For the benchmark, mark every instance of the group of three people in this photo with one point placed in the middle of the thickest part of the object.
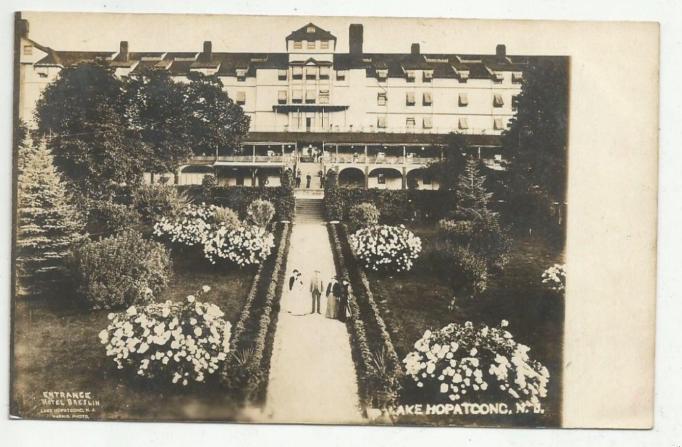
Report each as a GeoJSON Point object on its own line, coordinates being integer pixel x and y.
{"type": "Point", "coordinates": [336, 292]}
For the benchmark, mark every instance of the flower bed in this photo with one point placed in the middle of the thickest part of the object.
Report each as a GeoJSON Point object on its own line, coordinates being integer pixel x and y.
{"type": "Point", "coordinates": [386, 248]}
{"type": "Point", "coordinates": [199, 226]}
{"type": "Point", "coordinates": [377, 363]}
{"type": "Point", "coordinates": [555, 277]}
{"type": "Point", "coordinates": [177, 343]}
{"type": "Point", "coordinates": [477, 363]}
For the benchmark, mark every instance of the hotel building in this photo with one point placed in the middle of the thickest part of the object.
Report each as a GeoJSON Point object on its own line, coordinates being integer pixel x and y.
{"type": "Point", "coordinates": [376, 118]}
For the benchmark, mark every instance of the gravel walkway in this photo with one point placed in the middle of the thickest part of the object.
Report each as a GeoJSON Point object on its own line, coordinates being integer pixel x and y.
{"type": "Point", "coordinates": [312, 376]}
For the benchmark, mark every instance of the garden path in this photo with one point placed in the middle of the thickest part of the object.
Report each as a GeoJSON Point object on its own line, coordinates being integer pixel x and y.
{"type": "Point", "coordinates": [312, 375]}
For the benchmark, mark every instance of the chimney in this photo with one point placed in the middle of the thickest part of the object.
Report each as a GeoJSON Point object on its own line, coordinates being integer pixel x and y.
{"type": "Point", "coordinates": [123, 50]}
{"type": "Point", "coordinates": [355, 39]}
{"type": "Point", "coordinates": [22, 27]}
{"type": "Point", "coordinates": [208, 50]}
{"type": "Point", "coordinates": [414, 49]}
{"type": "Point", "coordinates": [501, 51]}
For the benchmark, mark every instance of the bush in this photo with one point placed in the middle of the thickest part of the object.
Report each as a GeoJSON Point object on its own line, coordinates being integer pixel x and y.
{"type": "Point", "coordinates": [554, 278]}
{"type": "Point", "coordinates": [106, 218]}
{"type": "Point", "coordinates": [260, 212]}
{"type": "Point", "coordinates": [227, 217]}
{"type": "Point", "coordinates": [482, 235]}
{"type": "Point", "coordinates": [386, 248]}
{"type": "Point", "coordinates": [170, 342]}
{"type": "Point", "coordinates": [242, 245]}
{"type": "Point", "coordinates": [476, 364]}
{"type": "Point", "coordinates": [467, 271]}
{"type": "Point", "coordinates": [120, 271]}
{"type": "Point", "coordinates": [208, 184]}
{"type": "Point", "coordinates": [190, 228]}
{"type": "Point", "coordinates": [156, 201]}
{"type": "Point", "coordinates": [362, 216]}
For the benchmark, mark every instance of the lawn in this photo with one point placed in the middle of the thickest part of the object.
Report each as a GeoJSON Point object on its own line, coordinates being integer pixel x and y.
{"type": "Point", "coordinates": [56, 349]}
{"type": "Point", "coordinates": [418, 300]}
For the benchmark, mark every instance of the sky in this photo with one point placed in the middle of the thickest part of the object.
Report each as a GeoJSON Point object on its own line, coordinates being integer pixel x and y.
{"type": "Point", "coordinates": [154, 32]}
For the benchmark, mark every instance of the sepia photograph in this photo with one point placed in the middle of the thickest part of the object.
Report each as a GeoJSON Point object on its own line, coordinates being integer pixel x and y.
{"type": "Point", "coordinates": [341, 220]}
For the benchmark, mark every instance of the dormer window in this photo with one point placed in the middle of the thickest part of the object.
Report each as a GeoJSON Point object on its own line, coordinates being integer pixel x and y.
{"type": "Point", "coordinates": [410, 76]}
{"type": "Point", "coordinates": [517, 78]}
{"type": "Point", "coordinates": [498, 77]}
{"type": "Point", "coordinates": [382, 74]}
{"type": "Point", "coordinates": [241, 74]}
{"type": "Point", "coordinates": [428, 75]}
{"type": "Point", "coordinates": [310, 29]}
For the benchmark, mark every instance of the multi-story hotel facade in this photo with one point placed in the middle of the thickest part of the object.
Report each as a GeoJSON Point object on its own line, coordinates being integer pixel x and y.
{"type": "Point", "coordinates": [378, 119]}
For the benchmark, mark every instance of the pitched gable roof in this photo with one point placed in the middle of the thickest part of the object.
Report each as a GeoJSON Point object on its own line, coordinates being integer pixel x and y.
{"type": "Point", "coordinates": [316, 33]}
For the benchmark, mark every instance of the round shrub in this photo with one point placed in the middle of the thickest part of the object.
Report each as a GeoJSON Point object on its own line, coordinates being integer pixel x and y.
{"type": "Point", "coordinates": [156, 201]}
{"type": "Point", "coordinates": [242, 245]}
{"type": "Point", "coordinates": [179, 343]}
{"type": "Point", "coordinates": [190, 228]}
{"type": "Point", "coordinates": [120, 271]}
{"type": "Point", "coordinates": [386, 248]}
{"type": "Point", "coordinates": [106, 218]}
{"type": "Point", "coordinates": [467, 271]}
{"type": "Point", "coordinates": [227, 217]}
{"type": "Point", "coordinates": [260, 212]}
{"type": "Point", "coordinates": [362, 215]}
{"type": "Point", "coordinates": [475, 363]}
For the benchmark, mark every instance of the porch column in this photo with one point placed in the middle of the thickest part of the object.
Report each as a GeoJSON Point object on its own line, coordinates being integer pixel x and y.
{"type": "Point", "coordinates": [404, 178]}
{"type": "Point", "coordinates": [366, 176]}
{"type": "Point", "coordinates": [404, 155]}
{"type": "Point", "coordinates": [366, 159]}
{"type": "Point", "coordinates": [253, 153]}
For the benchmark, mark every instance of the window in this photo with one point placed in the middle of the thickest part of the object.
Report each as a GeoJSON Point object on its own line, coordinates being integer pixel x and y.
{"type": "Point", "coordinates": [381, 98]}
{"type": "Point", "coordinates": [498, 124]}
{"type": "Point", "coordinates": [426, 99]}
{"type": "Point", "coordinates": [381, 122]}
{"type": "Point", "coordinates": [410, 76]}
{"type": "Point", "coordinates": [310, 96]}
{"type": "Point", "coordinates": [297, 96]}
{"type": "Point", "coordinates": [241, 98]}
{"type": "Point", "coordinates": [381, 179]}
{"type": "Point", "coordinates": [241, 74]}
{"type": "Point", "coordinates": [517, 78]}
{"type": "Point", "coordinates": [297, 72]}
{"type": "Point", "coordinates": [427, 76]}
{"type": "Point", "coordinates": [515, 103]}
{"type": "Point", "coordinates": [310, 29]}
{"type": "Point", "coordinates": [409, 98]}
{"type": "Point", "coordinates": [498, 77]}
{"type": "Point", "coordinates": [463, 123]}
{"type": "Point", "coordinates": [324, 96]}
{"type": "Point", "coordinates": [324, 72]}
{"type": "Point", "coordinates": [28, 50]}
{"type": "Point", "coordinates": [282, 96]}
{"type": "Point", "coordinates": [311, 72]}
{"type": "Point", "coordinates": [341, 75]}
{"type": "Point", "coordinates": [497, 100]}
{"type": "Point", "coordinates": [382, 74]}
{"type": "Point", "coordinates": [324, 44]}
{"type": "Point", "coordinates": [409, 123]}
{"type": "Point", "coordinates": [463, 100]}
{"type": "Point", "coordinates": [282, 74]}
{"type": "Point", "coordinates": [298, 44]}
{"type": "Point", "coordinates": [428, 122]}
{"type": "Point", "coordinates": [426, 179]}
{"type": "Point", "coordinates": [311, 44]}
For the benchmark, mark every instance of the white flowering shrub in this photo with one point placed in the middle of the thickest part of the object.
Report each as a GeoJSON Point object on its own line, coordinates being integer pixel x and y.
{"type": "Point", "coordinates": [190, 228]}
{"type": "Point", "coordinates": [555, 277]}
{"type": "Point", "coordinates": [205, 227]}
{"type": "Point", "coordinates": [179, 343]}
{"type": "Point", "coordinates": [386, 248]}
{"type": "Point", "coordinates": [477, 364]}
{"type": "Point", "coordinates": [242, 246]}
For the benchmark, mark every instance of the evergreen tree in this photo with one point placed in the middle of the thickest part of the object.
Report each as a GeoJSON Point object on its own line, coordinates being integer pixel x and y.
{"type": "Point", "coordinates": [447, 170]}
{"type": "Point", "coordinates": [48, 223]}
{"type": "Point", "coordinates": [472, 196]}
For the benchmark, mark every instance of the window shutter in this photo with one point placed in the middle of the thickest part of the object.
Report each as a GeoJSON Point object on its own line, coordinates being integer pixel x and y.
{"type": "Point", "coordinates": [310, 96]}
{"type": "Point", "coordinates": [297, 95]}
{"type": "Point", "coordinates": [310, 72]}
{"type": "Point", "coordinates": [297, 71]}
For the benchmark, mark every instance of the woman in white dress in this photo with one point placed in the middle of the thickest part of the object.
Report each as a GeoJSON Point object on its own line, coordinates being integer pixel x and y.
{"type": "Point", "coordinates": [296, 299]}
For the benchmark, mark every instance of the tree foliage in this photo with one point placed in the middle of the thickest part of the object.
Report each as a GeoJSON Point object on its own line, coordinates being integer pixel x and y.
{"type": "Point", "coordinates": [447, 170]}
{"type": "Point", "coordinates": [536, 141]}
{"type": "Point", "coordinates": [48, 224]}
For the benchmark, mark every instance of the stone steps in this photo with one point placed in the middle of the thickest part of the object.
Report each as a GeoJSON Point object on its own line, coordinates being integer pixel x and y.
{"type": "Point", "coordinates": [309, 210]}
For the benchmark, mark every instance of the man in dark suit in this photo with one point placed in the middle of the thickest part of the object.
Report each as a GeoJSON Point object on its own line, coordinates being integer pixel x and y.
{"type": "Point", "coordinates": [316, 288]}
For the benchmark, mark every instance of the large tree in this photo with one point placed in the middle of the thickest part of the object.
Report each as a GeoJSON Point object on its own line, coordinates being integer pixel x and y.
{"type": "Point", "coordinates": [214, 121]}
{"type": "Point", "coordinates": [157, 108]}
{"type": "Point", "coordinates": [536, 140]}
{"type": "Point", "coordinates": [83, 120]}
{"type": "Point", "coordinates": [446, 170]}
{"type": "Point", "coordinates": [48, 224]}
